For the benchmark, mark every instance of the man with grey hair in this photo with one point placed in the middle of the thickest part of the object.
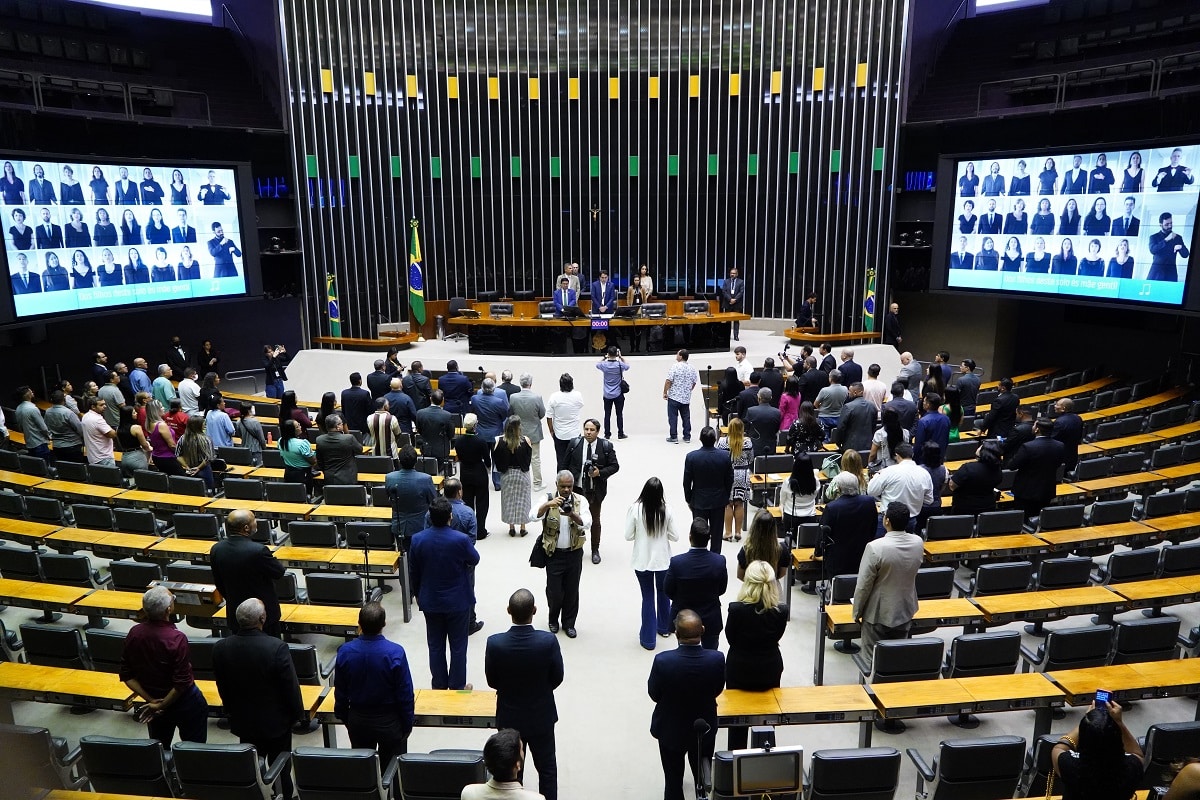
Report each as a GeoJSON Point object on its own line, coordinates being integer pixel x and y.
{"type": "Point", "coordinates": [377, 381]}
{"type": "Point", "coordinates": [851, 371]}
{"type": "Point", "coordinates": [243, 568]}
{"type": "Point", "coordinates": [157, 667]}
{"type": "Point", "coordinates": [909, 374]}
{"type": "Point", "coordinates": [762, 424]}
{"type": "Point", "coordinates": [400, 405]}
{"type": "Point", "coordinates": [565, 522]}
{"type": "Point", "coordinates": [336, 450]}
{"type": "Point", "coordinates": [162, 389]}
{"type": "Point", "coordinates": [258, 686]}
{"type": "Point", "coordinates": [491, 410]}
{"type": "Point", "coordinates": [528, 405]}
{"type": "Point", "coordinates": [508, 387]}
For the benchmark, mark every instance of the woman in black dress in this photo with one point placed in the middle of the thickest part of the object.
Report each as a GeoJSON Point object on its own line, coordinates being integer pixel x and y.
{"type": "Point", "coordinates": [189, 267]}
{"type": "Point", "coordinates": [974, 484]}
{"type": "Point", "coordinates": [162, 270]}
{"type": "Point", "coordinates": [967, 219]}
{"type": "Point", "coordinates": [82, 274]}
{"type": "Point", "coordinates": [109, 271]}
{"type": "Point", "coordinates": [1065, 262]}
{"type": "Point", "coordinates": [1047, 178]}
{"type": "Point", "coordinates": [12, 188]}
{"type": "Point", "coordinates": [1132, 176]}
{"type": "Point", "coordinates": [208, 359]}
{"type": "Point", "coordinates": [1068, 220]}
{"type": "Point", "coordinates": [1043, 221]}
{"type": "Point", "coordinates": [99, 187]}
{"type": "Point", "coordinates": [1011, 260]}
{"type": "Point", "coordinates": [131, 231]}
{"type": "Point", "coordinates": [76, 232]}
{"type": "Point", "coordinates": [54, 277]}
{"type": "Point", "coordinates": [179, 190]}
{"type": "Point", "coordinates": [1039, 260]}
{"type": "Point", "coordinates": [727, 393]}
{"type": "Point", "coordinates": [70, 191]}
{"type": "Point", "coordinates": [22, 234]}
{"type": "Point", "coordinates": [1017, 222]}
{"type": "Point", "coordinates": [753, 628]}
{"type": "Point", "coordinates": [328, 405]}
{"type": "Point", "coordinates": [1093, 264]}
{"type": "Point", "coordinates": [156, 231]}
{"type": "Point", "coordinates": [987, 259]}
{"type": "Point", "coordinates": [104, 233]}
{"type": "Point", "coordinates": [475, 462]}
{"type": "Point", "coordinates": [1101, 179]}
{"type": "Point", "coordinates": [1120, 266]}
{"type": "Point", "coordinates": [1098, 222]}
{"type": "Point", "coordinates": [1019, 185]}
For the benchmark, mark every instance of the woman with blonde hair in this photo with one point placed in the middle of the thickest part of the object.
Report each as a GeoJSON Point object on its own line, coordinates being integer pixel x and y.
{"type": "Point", "coordinates": [753, 628]}
{"type": "Point", "coordinates": [651, 526]}
{"type": "Point", "coordinates": [851, 462]}
{"type": "Point", "coordinates": [512, 457]}
{"type": "Point", "coordinates": [741, 453]}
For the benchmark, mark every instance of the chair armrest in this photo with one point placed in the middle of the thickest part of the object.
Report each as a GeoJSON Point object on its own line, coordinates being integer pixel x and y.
{"type": "Point", "coordinates": [327, 668]}
{"type": "Point", "coordinates": [389, 775]}
{"type": "Point", "coordinates": [375, 595]}
{"type": "Point", "coordinates": [1031, 525]}
{"type": "Point", "coordinates": [101, 580]}
{"type": "Point", "coordinates": [71, 757]}
{"type": "Point", "coordinates": [276, 768]}
{"type": "Point", "coordinates": [924, 771]}
{"type": "Point", "coordinates": [1029, 658]}
{"type": "Point", "coordinates": [1099, 576]}
{"type": "Point", "coordinates": [964, 589]}
{"type": "Point", "coordinates": [863, 670]}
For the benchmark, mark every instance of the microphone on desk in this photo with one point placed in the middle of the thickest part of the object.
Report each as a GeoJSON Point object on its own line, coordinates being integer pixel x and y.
{"type": "Point", "coordinates": [701, 727]}
{"type": "Point", "coordinates": [363, 537]}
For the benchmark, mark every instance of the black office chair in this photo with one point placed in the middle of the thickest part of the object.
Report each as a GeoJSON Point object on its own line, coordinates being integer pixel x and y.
{"type": "Point", "coordinates": [901, 660]}
{"type": "Point", "coordinates": [999, 523]}
{"type": "Point", "coordinates": [977, 654]}
{"type": "Point", "coordinates": [524, 294]}
{"type": "Point", "coordinates": [1004, 578]}
{"type": "Point", "coordinates": [971, 769]}
{"type": "Point", "coordinates": [1168, 743]}
{"type": "Point", "coordinates": [546, 307]}
{"type": "Point", "coordinates": [287, 589]}
{"type": "Point", "coordinates": [149, 480]}
{"type": "Point", "coordinates": [1109, 512]}
{"type": "Point", "coordinates": [307, 661]}
{"type": "Point", "coordinates": [1141, 640]}
{"type": "Point", "coordinates": [1179, 560]}
{"type": "Point", "coordinates": [34, 465]}
{"type": "Point", "coordinates": [47, 510]}
{"type": "Point", "coordinates": [55, 646]}
{"type": "Point", "coordinates": [107, 648]}
{"type": "Point", "coordinates": [75, 570]}
{"type": "Point", "coordinates": [11, 647]}
{"type": "Point", "coordinates": [72, 471]}
{"type": "Point", "coordinates": [127, 766]}
{"type": "Point", "coordinates": [1167, 456]}
{"type": "Point", "coordinates": [374, 465]}
{"type": "Point", "coordinates": [184, 484]}
{"type": "Point", "coordinates": [138, 520]}
{"type": "Point", "coordinates": [933, 583]}
{"type": "Point", "coordinates": [1056, 518]}
{"type": "Point", "coordinates": [345, 495]}
{"type": "Point", "coordinates": [9, 459]}
{"type": "Point", "coordinates": [226, 771]}
{"type": "Point", "coordinates": [1128, 463]}
{"type": "Point", "coordinates": [280, 492]}
{"type": "Point", "coordinates": [950, 526]}
{"type": "Point", "coordinates": [12, 505]}
{"type": "Point", "coordinates": [841, 591]}
{"type": "Point", "coordinates": [97, 518]}
{"type": "Point", "coordinates": [1070, 648]}
{"type": "Point", "coordinates": [1128, 565]}
{"type": "Point", "coordinates": [327, 773]}
{"type": "Point", "coordinates": [379, 496]}
{"type": "Point", "coordinates": [133, 576]}
{"type": "Point", "coordinates": [1091, 468]}
{"type": "Point", "coordinates": [237, 456]}
{"type": "Point", "coordinates": [106, 475]}
{"type": "Point", "coordinates": [861, 773]}
{"type": "Point", "coordinates": [243, 489]}
{"type": "Point", "coordinates": [197, 526]}
{"type": "Point", "coordinates": [335, 589]}
{"type": "Point", "coordinates": [457, 306]}
{"type": "Point", "coordinates": [1155, 505]}
{"type": "Point", "coordinates": [1037, 767]}
{"type": "Point", "coordinates": [200, 652]}
{"type": "Point", "coordinates": [35, 758]}
{"type": "Point", "coordinates": [440, 774]}
{"type": "Point", "coordinates": [313, 534]}
{"type": "Point", "coordinates": [190, 573]}
{"type": "Point", "coordinates": [496, 310]}
{"type": "Point", "coordinates": [20, 564]}
{"type": "Point", "coordinates": [1059, 573]}
{"type": "Point", "coordinates": [272, 458]}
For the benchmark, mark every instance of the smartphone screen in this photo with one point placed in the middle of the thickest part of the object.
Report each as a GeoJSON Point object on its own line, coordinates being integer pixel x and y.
{"type": "Point", "coordinates": [1102, 696]}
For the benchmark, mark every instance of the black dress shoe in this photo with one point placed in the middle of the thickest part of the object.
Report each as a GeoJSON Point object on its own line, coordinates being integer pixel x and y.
{"type": "Point", "coordinates": [595, 556]}
{"type": "Point", "coordinates": [554, 627]}
{"type": "Point", "coordinates": [476, 627]}
{"type": "Point", "coordinates": [571, 634]}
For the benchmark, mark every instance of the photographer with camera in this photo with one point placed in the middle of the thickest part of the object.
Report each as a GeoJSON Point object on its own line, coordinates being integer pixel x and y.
{"type": "Point", "coordinates": [565, 520]}
{"type": "Point", "coordinates": [592, 461]}
{"type": "Point", "coordinates": [275, 360]}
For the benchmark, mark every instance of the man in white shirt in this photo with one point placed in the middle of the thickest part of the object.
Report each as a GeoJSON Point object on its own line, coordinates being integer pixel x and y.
{"type": "Point", "coordinates": [677, 391]}
{"type": "Point", "coordinates": [98, 435]}
{"type": "Point", "coordinates": [564, 418]}
{"type": "Point", "coordinates": [875, 390]}
{"type": "Point", "coordinates": [189, 392]}
{"type": "Point", "coordinates": [905, 482]}
{"type": "Point", "coordinates": [742, 365]}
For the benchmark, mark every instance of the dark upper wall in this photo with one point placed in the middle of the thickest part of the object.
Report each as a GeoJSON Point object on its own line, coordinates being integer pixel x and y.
{"type": "Point", "coordinates": [795, 224]}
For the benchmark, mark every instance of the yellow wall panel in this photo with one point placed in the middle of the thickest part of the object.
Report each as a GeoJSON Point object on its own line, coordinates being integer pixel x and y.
{"type": "Point", "coordinates": [573, 88]}
{"type": "Point", "coordinates": [776, 82]}
{"type": "Point", "coordinates": [452, 87]}
{"type": "Point", "coordinates": [493, 88]}
{"type": "Point", "coordinates": [535, 89]}
{"type": "Point", "coordinates": [410, 85]}
{"type": "Point", "coordinates": [652, 88]}
{"type": "Point", "coordinates": [818, 79]}
{"type": "Point", "coordinates": [860, 75]}
{"type": "Point", "coordinates": [614, 88]}
{"type": "Point", "coordinates": [327, 81]}
{"type": "Point", "coordinates": [693, 86]}
{"type": "Point", "coordinates": [369, 83]}
{"type": "Point", "coordinates": [735, 84]}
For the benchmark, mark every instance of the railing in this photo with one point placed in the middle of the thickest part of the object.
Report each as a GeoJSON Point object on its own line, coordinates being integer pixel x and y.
{"type": "Point", "coordinates": [92, 97]}
{"type": "Point", "coordinates": [241, 376]}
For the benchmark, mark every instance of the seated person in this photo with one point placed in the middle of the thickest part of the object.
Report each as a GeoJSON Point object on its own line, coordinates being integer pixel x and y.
{"type": "Point", "coordinates": [504, 756]}
{"type": "Point", "coordinates": [564, 296]}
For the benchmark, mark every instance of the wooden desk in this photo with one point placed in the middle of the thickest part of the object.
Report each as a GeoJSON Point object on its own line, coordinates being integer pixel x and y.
{"type": "Point", "coordinates": [1174, 525]}
{"type": "Point", "coordinates": [110, 603]}
{"type": "Point", "coordinates": [1178, 431]}
{"type": "Point", "coordinates": [1075, 391]}
{"type": "Point", "coordinates": [332, 620]}
{"type": "Point", "coordinates": [1180, 472]}
{"type": "Point", "coordinates": [350, 513]}
{"type": "Point", "coordinates": [1127, 533]}
{"type": "Point", "coordinates": [173, 549]}
{"type": "Point", "coordinates": [313, 558]}
{"type": "Point", "coordinates": [932, 698]}
{"type": "Point", "coordinates": [1080, 685]}
{"type": "Point", "coordinates": [1136, 407]}
{"type": "Point", "coordinates": [120, 545]}
{"type": "Point", "coordinates": [450, 708]}
{"type": "Point", "coordinates": [1172, 678]}
{"type": "Point", "coordinates": [1155, 593]}
{"type": "Point", "coordinates": [738, 707]}
{"type": "Point", "coordinates": [380, 562]}
{"type": "Point", "coordinates": [1000, 609]}
{"type": "Point", "coordinates": [1021, 544]}
{"type": "Point", "coordinates": [25, 532]}
{"type": "Point", "coordinates": [163, 500]}
{"type": "Point", "coordinates": [47, 597]}
{"type": "Point", "coordinates": [1120, 444]}
{"type": "Point", "coordinates": [1138, 482]}
{"type": "Point", "coordinates": [19, 479]}
{"type": "Point", "coordinates": [74, 687]}
{"type": "Point", "coordinates": [71, 539]}
{"type": "Point", "coordinates": [269, 510]}
{"type": "Point", "coordinates": [310, 696]}
{"type": "Point", "coordinates": [78, 492]}
{"type": "Point", "coordinates": [1027, 377]}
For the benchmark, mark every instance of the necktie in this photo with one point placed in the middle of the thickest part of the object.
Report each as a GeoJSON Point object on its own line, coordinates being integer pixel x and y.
{"type": "Point", "coordinates": [1126, 223]}
{"type": "Point", "coordinates": [590, 453]}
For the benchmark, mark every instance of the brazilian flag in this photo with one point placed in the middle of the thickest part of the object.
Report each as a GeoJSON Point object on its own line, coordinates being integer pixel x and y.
{"type": "Point", "coordinates": [869, 303]}
{"type": "Point", "coordinates": [335, 313]}
{"type": "Point", "coordinates": [416, 279]}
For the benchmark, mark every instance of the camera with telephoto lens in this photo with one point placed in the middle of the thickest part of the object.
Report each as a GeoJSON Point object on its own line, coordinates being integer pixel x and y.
{"type": "Point", "coordinates": [568, 505]}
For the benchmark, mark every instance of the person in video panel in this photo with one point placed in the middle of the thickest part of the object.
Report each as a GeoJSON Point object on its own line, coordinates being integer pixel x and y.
{"type": "Point", "coordinates": [104, 233]}
{"type": "Point", "coordinates": [1174, 176]}
{"type": "Point", "coordinates": [109, 271]}
{"type": "Point", "coordinates": [24, 281]}
{"type": "Point", "coordinates": [213, 193]}
{"type": "Point", "coordinates": [82, 274]}
{"type": "Point", "coordinates": [12, 188]}
{"type": "Point", "coordinates": [99, 187]}
{"type": "Point", "coordinates": [993, 182]}
{"type": "Point", "coordinates": [136, 270]}
{"type": "Point", "coordinates": [22, 234]}
{"type": "Point", "coordinates": [961, 258]}
{"type": "Point", "coordinates": [1012, 259]}
{"type": "Point", "coordinates": [150, 190]}
{"type": "Point", "coordinates": [1097, 223]}
{"type": "Point", "coordinates": [40, 189]}
{"type": "Point", "coordinates": [1120, 265]}
{"type": "Point", "coordinates": [70, 191]}
{"type": "Point", "coordinates": [1047, 178]}
{"type": "Point", "coordinates": [162, 270]}
{"type": "Point", "coordinates": [76, 231]}
{"type": "Point", "coordinates": [157, 231]}
{"type": "Point", "coordinates": [54, 277]}
{"type": "Point", "coordinates": [126, 190]}
{"type": "Point", "coordinates": [1101, 179]}
{"type": "Point", "coordinates": [188, 268]}
{"type": "Point", "coordinates": [1068, 221]}
{"type": "Point", "coordinates": [1064, 262]}
{"type": "Point", "coordinates": [1019, 185]}
{"type": "Point", "coordinates": [1133, 176]}
{"type": "Point", "coordinates": [968, 184]}
{"type": "Point", "coordinates": [1038, 261]}
{"type": "Point", "coordinates": [1017, 221]}
{"type": "Point", "coordinates": [1043, 220]}
{"type": "Point", "coordinates": [179, 189]}
{"type": "Point", "coordinates": [1127, 224]}
{"type": "Point", "coordinates": [1092, 265]}
{"type": "Point", "coordinates": [223, 251]}
{"type": "Point", "coordinates": [1165, 247]}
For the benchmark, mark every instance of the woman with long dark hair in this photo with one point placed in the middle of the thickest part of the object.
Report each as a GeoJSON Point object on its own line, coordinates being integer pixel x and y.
{"type": "Point", "coordinates": [209, 395]}
{"type": "Point", "coordinates": [762, 544]}
{"type": "Point", "coordinates": [1100, 759]}
{"type": "Point", "coordinates": [512, 457]}
{"type": "Point", "coordinates": [650, 525]}
{"type": "Point", "coordinates": [328, 405]}
{"type": "Point", "coordinates": [974, 484]}
{"type": "Point", "coordinates": [289, 410]}
{"type": "Point", "coordinates": [753, 628]}
{"type": "Point", "coordinates": [885, 441]}
{"type": "Point", "coordinates": [806, 434]}
{"type": "Point", "coordinates": [297, 453]}
{"type": "Point", "coordinates": [798, 495]}
{"type": "Point", "coordinates": [727, 393]}
{"type": "Point", "coordinates": [931, 462]}
{"type": "Point", "coordinates": [935, 381]}
{"type": "Point", "coordinates": [952, 408]}
{"type": "Point", "coordinates": [789, 403]}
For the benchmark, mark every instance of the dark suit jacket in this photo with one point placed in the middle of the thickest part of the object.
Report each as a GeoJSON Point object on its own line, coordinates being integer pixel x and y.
{"type": "Point", "coordinates": [964, 261]}
{"type": "Point", "coordinates": [762, 426]}
{"type": "Point", "coordinates": [457, 388]}
{"type": "Point", "coordinates": [243, 568]}
{"type": "Point", "coordinates": [696, 580]}
{"type": "Point", "coordinates": [746, 400]}
{"type": "Point", "coordinates": [811, 384]}
{"type": "Point", "coordinates": [1119, 228]}
{"type": "Point", "coordinates": [707, 478]}
{"type": "Point", "coordinates": [419, 389]}
{"type": "Point", "coordinates": [1068, 429]}
{"type": "Point", "coordinates": [435, 427]}
{"type": "Point", "coordinates": [1003, 415]}
{"type": "Point", "coordinates": [378, 383]}
{"type": "Point", "coordinates": [733, 293]}
{"type": "Point", "coordinates": [993, 225]}
{"type": "Point", "coordinates": [856, 425]}
{"type": "Point", "coordinates": [127, 195]}
{"type": "Point", "coordinates": [335, 456]}
{"type": "Point", "coordinates": [440, 560]}
{"type": "Point", "coordinates": [754, 663]}
{"type": "Point", "coordinates": [907, 410]}
{"type": "Point", "coordinates": [828, 364]}
{"type": "Point", "coordinates": [356, 407]}
{"type": "Point", "coordinates": [1022, 432]}
{"type": "Point", "coordinates": [35, 285]}
{"type": "Point", "coordinates": [604, 456]}
{"type": "Point", "coordinates": [684, 684]}
{"type": "Point", "coordinates": [49, 241]}
{"type": "Point", "coordinates": [258, 685]}
{"type": "Point", "coordinates": [183, 235]}
{"type": "Point", "coordinates": [852, 521]}
{"type": "Point", "coordinates": [1036, 464]}
{"type": "Point", "coordinates": [851, 372]}
{"type": "Point", "coordinates": [772, 379]}
{"type": "Point", "coordinates": [1074, 183]}
{"type": "Point", "coordinates": [1162, 266]}
{"type": "Point", "coordinates": [607, 298]}
{"type": "Point", "coordinates": [804, 316]}
{"type": "Point", "coordinates": [177, 363]}
{"type": "Point", "coordinates": [524, 666]}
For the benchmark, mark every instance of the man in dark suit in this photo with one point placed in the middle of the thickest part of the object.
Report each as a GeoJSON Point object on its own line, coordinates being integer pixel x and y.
{"type": "Point", "coordinates": [411, 493]}
{"type": "Point", "coordinates": [707, 482]}
{"type": "Point", "coordinates": [213, 193]}
{"type": "Point", "coordinates": [440, 561]}
{"type": "Point", "coordinates": [378, 381]}
{"type": "Point", "coordinates": [336, 451]}
{"type": "Point", "coordinates": [24, 281]}
{"type": "Point", "coordinates": [356, 404]}
{"type": "Point", "coordinates": [49, 236]}
{"type": "Point", "coordinates": [990, 222]}
{"type": "Point", "coordinates": [177, 357]}
{"type": "Point", "coordinates": [525, 666]}
{"type": "Point", "coordinates": [419, 388]}
{"type": "Point", "coordinates": [126, 191]}
{"type": "Point", "coordinates": [748, 397]}
{"type": "Point", "coordinates": [961, 258]}
{"type": "Point", "coordinates": [183, 233]}
{"type": "Point", "coordinates": [593, 485]}
{"type": "Point", "coordinates": [604, 295]}
{"type": "Point", "coordinates": [696, 580]}
{"type": "Point", "coordinates": [40, 189]}
{"type": "Point", "coordinates": [243, 568]}
{"type": "Point", "coordinates": [684, 685]}
{"type": "Point", "coordinates": [1174, 176]}
{"type": "Point", "coordinates": [856, 421]}
{"type": "Point", "coordinates": [435, 428]}
{"type": "Point", "coordinates": [806, 315]}
{"type": "Point", "coordinates": [771, 378]}
{"type": "Point", "coordinates": [891, 326]}
{"type": "Point", "coordinates": [1068, 429]}
{"type": "Point", "coordinates": [825, 360]}
{"type": "Point", "coordinates": [259, 689]}
{"type": "Point", "coordinates": [851, 370]}
{"type": "Point", "coordinates": [223, 251]}
{"type": "Point", "coordinates": [905, 408]}
{"type": "Point", "coordinates": [1003, 413]}
{"type": "Point", "coordinates": [1037, 465]}
{"type": "Point", "coordinates": [456, 388]}
{"type": "Point", "coordinates": [1127, 224]}
{"type": "Point", "coordinates": [564, 297]}
{"type": "Point", "coordinates": [1164, 246]}
{"type": "Point", "coordinates": [1022, 432]}
{"type": "Point", "coordinates": [762, 424]}
{"type": "Point", "coordinates": [812, 381]}
{"type": "Point", "coordinates": [1075, 179]}
{"type": "Point", "coordinates": [733, 295]}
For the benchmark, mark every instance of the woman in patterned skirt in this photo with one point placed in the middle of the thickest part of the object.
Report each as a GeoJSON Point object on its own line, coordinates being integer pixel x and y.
{"type": "Point", "coordinates": [741, 453]}
{"type": "Point", "coordinates": [512, 458]}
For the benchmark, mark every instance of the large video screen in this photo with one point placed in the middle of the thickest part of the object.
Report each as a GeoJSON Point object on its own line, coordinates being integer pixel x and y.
{"type": "Point", "coordinates": [85, 236]}
{"type": "Point", "coordinates": [1104, 225]}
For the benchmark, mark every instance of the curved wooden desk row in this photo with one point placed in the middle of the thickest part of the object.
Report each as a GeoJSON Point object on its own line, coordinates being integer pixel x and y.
{"type": "Point", "coordinates": [383, 342]}
{"type": "Point", "coordinates": [1076, 391]}
{"type": "Point", "coordinates": [1027, 377]}
{"type": "Point", "coordinates": [810, 336]}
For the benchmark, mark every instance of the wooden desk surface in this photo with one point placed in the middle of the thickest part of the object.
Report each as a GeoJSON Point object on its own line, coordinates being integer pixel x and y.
{"type": "Point", "coordinates": [1136, 406]}
{"type": "Point", "coordinates": [84, 538]}
{"type": "Point", "coordinates": [57, 682]}
{"type": "Point", "coordinates": [351, 512]}
{"type": "Point", "coordinates": [1074, 391]}
{"type": "Point", "coordinates": [1081, 684]}
{"type": "Point", "coordinates": [1178, 431]}
{"type": "Point", "coordinates": [296, 510]}
{"type": "Point", "coordinates": [1019, 689]}
{"type": "Point", "coordinates": [1181, 673]}
{"type": "Point", "coordinates": [957, 610]}
{"type": "Point", "coordinates": [1163, 589]}
{"type": "Point", "coordinates": [305, 557]}
{"type": "Point", "coordinates": [377, 561]}
{"type": "Point", "coordinates": [1190, 470]}
{"type": "Point", "coordinates": [183, 549]}
{"type": "Point", "coordinates": [922, 698]}
{"type": "Point", "coordinates": [1126, 442]}
{"type": "Point", "coordinates": [163, 499]}
{"type": "Point", "coordinates": [997, 605]}
{"type": "Point", "coordinates": [1084, 597]}
{"type": "Point", "coordinates": [1100, 534]}
{"type": "Point", "coordinates": [455, 703]}
{"type": "Point", "coordinates": [339, 616]}
{"type": "Point", "coordinates": [232, 504]}
{"type": "Point", "coordinates": [1175, 522]}
{"type": "Point", "coordinates": [311, 696]}
{"type": "Point", "coordinates": [738, 703]}
{"type": "Point", "coordinates": [10, 478]}
{"type": "Point", "coordinates": [1027, 377]}
{"type": "Point", "coordinates": [1129, 482]}
{"type": "Point", "coordinates": [802, 556]}
{"type": "Point", "coordinates": [110, 603]}
{"type": "Point", "coordinates": [128, 542]}
{"type": "Point", "coordinates": [32, 591]}
{"type": "Point", "coordinates": [1189, 582]}
{"type": "Point", "coordinates": [848, 698]}
{"type": "Point", "coordinates": [958, 549]}
{"type": "Point", "coordinates": [67, 794]}
{"type": "Point", "coordinates": [76, 489]}
{"type": "Point", "coordinates": [24, 531]}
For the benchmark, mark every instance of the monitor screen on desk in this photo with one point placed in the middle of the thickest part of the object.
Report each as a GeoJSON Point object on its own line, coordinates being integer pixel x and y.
{"type": "Point", "coordinates": [572, 312]}
{"type": "Point", "coordinates": [758, 772]}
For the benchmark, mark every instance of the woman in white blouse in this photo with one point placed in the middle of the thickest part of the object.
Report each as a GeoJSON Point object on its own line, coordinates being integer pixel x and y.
{"type": "Point", "coordinates": [651, 526]}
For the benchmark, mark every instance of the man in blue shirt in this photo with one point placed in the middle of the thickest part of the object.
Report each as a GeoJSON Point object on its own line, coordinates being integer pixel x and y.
{"type": "Point", "coordinates": [374, 691]}
{"type": "Point", "coordinates": [932, 427]}
{"type": "Point", "coordinates": [219, 426]}
{"type": "Point", "coordinates": [139, 378]}
{"type": "Point", "coordinates": [456, 387]}
{"type": "Point", "coordinates": [441, 560]}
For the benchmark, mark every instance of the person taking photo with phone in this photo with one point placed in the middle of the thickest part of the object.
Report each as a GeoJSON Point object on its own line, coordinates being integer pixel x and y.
{"type": "Point", "coordinates": [1100, 759]}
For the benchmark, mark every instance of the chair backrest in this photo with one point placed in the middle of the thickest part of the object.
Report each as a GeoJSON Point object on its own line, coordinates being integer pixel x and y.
{"type": "Point", "coordinates": [98, 518]}
{"type": "Point", "coordinates": [149, 480]}
{"type": "Point", "coordinates": [311, 435]}
{"type": "Point", "coordinates": [106, 647]}
{"type": "Point", "coordinates": [34, 465]}
{"type": "Point", "coordinates": [327, 773]}
{"type": "Point", "coordinates": [184, 484]}
{"type": "Point", "coordinates": [312, 534]}
{"type": "Point", "coordinates": [1064, 573]}
{"type": "Point", "coordinates": [200, 651]}
{"type": "Point", "coordinates": [243, 488]}
{"type": "Point", "coordinates": [332, 589]}
{"type": "Point", "coordinates": [1092, 468]}
{"type": "Point", "coordinates": [20, 563]}
{"type": "Point", "coordinates": [69, 570]}
{"type": "Point", "coordinates": [1146, 639]}
{"type": "Point", "coordinates": [220, 771]}
{"type": "Point", "coordinates": [907, 660]}
{"type": "Point", "coordinates": [773, 463]}
{"type": "Point", "coordinates": [807, 534]}
{"type": "Point", "coordinates": [279, 492]}
{"type": "Point", "coordinates": [135, 520]}
{"type": "Point", "coordinates": [106, 475]}
{"type": "Point", "coordinates": [961, 450]}
{"type": "Point", "coordinates": [346, 495]}
{"type": "Point", "coordinates": [841, 589]}
{"type": "Point", "coordinates": [546, 307]}
{"type": "Point", "coordinates": [1053, 518]}
{"type": "Point", "coordinates": [1191, 451]}
{"type": "Point", "coordinates": [1122, 395]}
{"type": "Point", "coordinates": [239, 456]}
{"type": "Point", "coordinates": [1167, 456]}
{"type": "Point", "coordinates": [1077, 648]}
{"type": "Point", "coordinates": [197, 526]}
{"type": "Point", "coordinates": [1166, 744]}
{"type": "Point", "coordinates": [379, 496]}
{"type": "Point", "coordinates": [272, 458]}
{"type": "Point", "coordinates": [306, 662]}
{"type": "Point", "coordinates": [978, 767]}
{"type": "Point", "coordinates": [126, 766]}
{"type": "Point", "coordinates": [54, 646]}
{"type": "Point", "coordinates": [287, 590]}
{"type": "Point", "coordinates": [379, 535]}
{"type": "Point", "coordinates": [374, 465]}
{"type": "Point", "coordinates": [1108, 512]}
{"type": "Point", "coordinates": [1109, 430]}
{"type": "Point", "coordinates": [440, 775]}
{"type": "Point", "coordinates": [991, 653]}
{"type": "Point", "coordinates": [72, 471]}
{"type": "Point", "coordinates": [863, 773]}
{"type": "Point", "coordinates": [9, 459]}
{"type": "Point", "coordinates": [1102, 400]}
{"type": "Point", "coordinates": [190, 573]}
{"type": "Point", "coordinates": [996, 523]}
{"type": "Point", "coordinates": [1157, 505]}
{"type": "Point", "coordinates": [935, 583]}
{"type": "Point", "coordinates": [133, 576]}
{"type": "Point", "coordinates": [1006, 578]}
{"type": "Point", "coordinates": [1037, 767]}
{"type": "Point", "coordinates": [1126, 463]}
{"type": "Point", "coordinates": [45, 509]}
{"type": "Point", "coordinates": [34, 758]}
{"type": "Point", "coordinates": [950, 526]}
{"type": "Point", "coordinates": [1180, 559]}
{"type": "Point", "coordinates": [12, 505]}
{"type": "Point", "coordinates": [428, 465]}
{"type": "Point", "coordinates": [1132, 565]}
